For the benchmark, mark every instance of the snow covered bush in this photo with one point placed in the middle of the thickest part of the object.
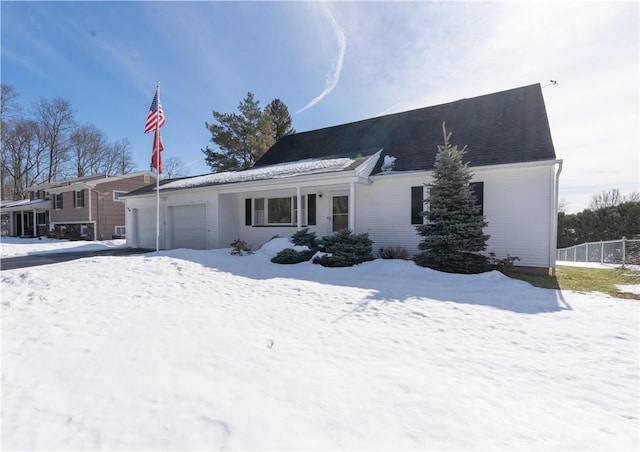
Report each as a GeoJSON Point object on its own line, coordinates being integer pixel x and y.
{"type": "Point", "coordinates": [291, 256]}
{"type": "Point", "coordinates": [305, 238]}
{"type": "Point", "coordinates": [344, 249]}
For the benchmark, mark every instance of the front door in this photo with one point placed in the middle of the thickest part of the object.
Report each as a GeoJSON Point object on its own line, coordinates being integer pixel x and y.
{"type": "Point", "coordinates": [340, 213]}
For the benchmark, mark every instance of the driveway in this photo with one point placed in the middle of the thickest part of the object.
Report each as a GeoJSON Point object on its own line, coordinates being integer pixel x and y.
{"type": "Point", "coordinates": [32, 260]}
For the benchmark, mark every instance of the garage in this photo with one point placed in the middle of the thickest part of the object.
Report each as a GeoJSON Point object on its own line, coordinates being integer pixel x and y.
{"type": "Point", "coordinates": [188, 226]}
{"type": "Point", "coordinates": [144, 228]}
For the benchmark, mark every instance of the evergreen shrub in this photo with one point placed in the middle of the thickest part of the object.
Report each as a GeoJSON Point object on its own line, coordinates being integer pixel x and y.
{"type": "Point", "coordinates": [291, 256]}
{"type": "Point", "coordinates": [305, 238]}
{"type": "Point", "coordinates": [344, 249]}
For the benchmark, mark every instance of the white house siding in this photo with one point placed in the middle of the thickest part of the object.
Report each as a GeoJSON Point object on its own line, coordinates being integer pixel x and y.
{"type": "Point", "coordinates": [229, 220]}
{"type": "Point", "coordinates": [519, 211]}
{"type": "Point", "coordinates": [516, 204]}
{"type": "Point", "coordinates": [383, 210]}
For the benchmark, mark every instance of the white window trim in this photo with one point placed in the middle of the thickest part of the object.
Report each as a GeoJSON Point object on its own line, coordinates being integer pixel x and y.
{"type": "Point", "coordinates": [75, 199]}
{"type": "Point", "coordinates": [115, 229]}
{"type": "Point", "coordinates": [122, 192]}
{"type": "Point", "coordinates": [265, 211]}
{"type": "Point", "coordinates": [55, 201]}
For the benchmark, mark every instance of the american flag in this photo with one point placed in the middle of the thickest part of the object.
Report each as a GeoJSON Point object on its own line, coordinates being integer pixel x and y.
{"type": "Point", "coordinates": [156, 156]}
{"type": "Point", "coordinates": [155, 116]}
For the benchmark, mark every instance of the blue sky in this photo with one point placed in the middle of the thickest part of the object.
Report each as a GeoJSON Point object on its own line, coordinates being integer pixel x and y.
{"type": "Point", "coordinates": [333, 63]}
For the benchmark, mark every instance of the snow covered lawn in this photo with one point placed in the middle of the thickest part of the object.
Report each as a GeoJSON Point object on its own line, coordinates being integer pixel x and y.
{"type": "Point", "coordinates": [14, 246]}
{"type": "Point", "coordinates": [203, 350]}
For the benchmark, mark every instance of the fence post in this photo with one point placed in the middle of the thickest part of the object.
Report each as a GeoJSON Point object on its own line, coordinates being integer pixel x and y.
{"type": "Point", "coordinates": [601, 252]}
{"type": "Point", "coordinates": [623, 250]}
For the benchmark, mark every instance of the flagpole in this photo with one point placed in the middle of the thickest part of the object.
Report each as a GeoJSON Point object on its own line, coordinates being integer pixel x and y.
{"type": "Point", "coordinates": [157, 154]}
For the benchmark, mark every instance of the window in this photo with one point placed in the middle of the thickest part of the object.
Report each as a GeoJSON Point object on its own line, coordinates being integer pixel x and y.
{"type": "Point", "coordinates": [84, 230]}
{"type": "Point", "coordinates": [417, 204]}
{"type": "Point", "coordinates": [78, 198]}
{"type": "Point", "coordinates": [57, 201]}
{"type": "Point", "coordinates": [279, 211]}
{"type": "Point", "coordinates": [117, 194]}
{"type": "Point", "coordinates": [478, 190]}
{"type": "Point", "coordinates": [120, 231]}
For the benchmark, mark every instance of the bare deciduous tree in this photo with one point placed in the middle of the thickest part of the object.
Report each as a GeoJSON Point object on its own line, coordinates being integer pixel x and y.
{"type": "Point", "coordinates": [23, 155]}
{"type": "Point", "coordinates": [56, 119]}
{"type": "Point", "coordinates": [607, 198]}
{"type": "Point", "coordinates": [174, 167]}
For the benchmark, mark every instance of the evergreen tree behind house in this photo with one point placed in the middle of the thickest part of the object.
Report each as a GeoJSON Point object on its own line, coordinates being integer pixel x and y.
{"type": "Point", "coordinates": [243, 137]}
{"type": "Point", "coordinates": [453, 236]}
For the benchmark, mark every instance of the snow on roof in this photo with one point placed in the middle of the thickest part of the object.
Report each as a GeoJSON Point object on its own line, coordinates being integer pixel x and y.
{"type": "Point", "coordinates": [267, 172]}
{"type": "Point", "coordinates": [24, 203]}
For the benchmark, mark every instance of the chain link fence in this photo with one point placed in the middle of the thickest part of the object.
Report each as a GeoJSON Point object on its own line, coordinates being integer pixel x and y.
{"type": "Point", "coordinates": [623, 251]}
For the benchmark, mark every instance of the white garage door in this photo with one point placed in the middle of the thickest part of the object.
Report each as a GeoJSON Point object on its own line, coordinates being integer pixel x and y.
{"type": "Point", "coordinates": [188, 226]}
{"type": "Point", "coordinates": [144, 228]}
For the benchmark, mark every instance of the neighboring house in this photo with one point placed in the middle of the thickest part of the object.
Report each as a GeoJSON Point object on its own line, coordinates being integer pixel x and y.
{"type": "Point", "coordinates": [370, 176]}
{"type": "Point", "coordinates": [87, 208]}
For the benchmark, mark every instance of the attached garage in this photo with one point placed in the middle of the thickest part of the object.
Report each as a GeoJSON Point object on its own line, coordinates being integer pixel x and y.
{"type": "Point", "coordinates": [188, 226]}
{"type": "Point", "coordinates": [144, 227]}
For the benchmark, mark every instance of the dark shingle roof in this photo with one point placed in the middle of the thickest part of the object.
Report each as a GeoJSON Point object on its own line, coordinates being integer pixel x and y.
{"type": "Point", "coordinates": [506, 127]}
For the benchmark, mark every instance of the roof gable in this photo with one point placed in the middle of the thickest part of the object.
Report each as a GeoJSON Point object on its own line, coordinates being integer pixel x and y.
{"type": "Point", "coordinates": [506, 127]}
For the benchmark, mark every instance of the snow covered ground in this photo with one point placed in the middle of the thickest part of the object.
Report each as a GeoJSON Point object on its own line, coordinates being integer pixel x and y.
{"type": "Point", "coordinates": [14, 246]}
{"type": "Point", "coordinates": [203, 350]}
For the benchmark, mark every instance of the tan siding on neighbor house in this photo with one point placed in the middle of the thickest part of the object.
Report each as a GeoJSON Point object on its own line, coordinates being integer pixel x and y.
{"type": "Point", "coordinates": [68, 213]}
{"type": "Point", "coordinates": [110, 213]}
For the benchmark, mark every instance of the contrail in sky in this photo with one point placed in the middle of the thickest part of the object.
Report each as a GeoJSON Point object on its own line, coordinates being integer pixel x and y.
{"type": "Point", "coordinates": [334, 74]}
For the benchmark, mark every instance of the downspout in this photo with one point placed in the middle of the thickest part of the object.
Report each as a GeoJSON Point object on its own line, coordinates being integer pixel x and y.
{"type": "Point", "coordinates": [553, 247]}
{"type": "Point", "coordinates": [90, 214]}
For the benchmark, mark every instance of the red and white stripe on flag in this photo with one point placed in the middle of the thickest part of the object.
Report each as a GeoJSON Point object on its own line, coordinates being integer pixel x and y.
{"type": "Point", "coordinates": [155, 118]}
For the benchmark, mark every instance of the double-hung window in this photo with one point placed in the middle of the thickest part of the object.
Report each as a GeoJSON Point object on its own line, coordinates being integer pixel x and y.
{"type": "Point", "coordinates": [280, 211]}
{"type": "Point", "coordinates": [78, 198]}
{"type": "Point", "coordinates": [57, 201]}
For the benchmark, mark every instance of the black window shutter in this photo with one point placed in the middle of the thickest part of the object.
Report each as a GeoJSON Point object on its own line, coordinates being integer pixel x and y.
{"type": "Point", "coordinates": [247, 212]}
{"type": "Point", "coordinates": [478, 190]}
{"type": "Point", "coordinates": [417, 204]}
{"type": "Point", "coordinates": [311, 209]}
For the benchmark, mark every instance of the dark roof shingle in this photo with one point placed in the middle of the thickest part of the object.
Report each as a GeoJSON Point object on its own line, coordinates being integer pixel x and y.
{"type": "Point", "coordinates": [505, 127]}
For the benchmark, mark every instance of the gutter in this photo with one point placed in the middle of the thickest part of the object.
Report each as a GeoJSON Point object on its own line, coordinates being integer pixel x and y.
{"type": "Point", "coordinates": [553, 246]}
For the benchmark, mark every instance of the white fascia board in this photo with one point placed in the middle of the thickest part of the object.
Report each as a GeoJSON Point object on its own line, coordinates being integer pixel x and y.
{"type": "Point", "coordinates": [307, 180]}
{"type": "Point", "coordinates": [474, 169]}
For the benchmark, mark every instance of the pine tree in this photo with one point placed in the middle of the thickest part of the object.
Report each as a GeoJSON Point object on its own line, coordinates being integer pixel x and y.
{"type": "Point", "coordinates": [243, 137]}
{"type": "Point", "coordinates": [453, 235]}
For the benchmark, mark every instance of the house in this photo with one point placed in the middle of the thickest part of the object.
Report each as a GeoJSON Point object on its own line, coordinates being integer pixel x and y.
{"type": "Point", "coordinates": [370, 176]}
{"type": "Point", "coordinates": [84, 208]}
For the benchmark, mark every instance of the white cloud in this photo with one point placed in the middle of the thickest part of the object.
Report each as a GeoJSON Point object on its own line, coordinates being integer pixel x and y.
{"type": "Point", "coordinates": [334, 73]}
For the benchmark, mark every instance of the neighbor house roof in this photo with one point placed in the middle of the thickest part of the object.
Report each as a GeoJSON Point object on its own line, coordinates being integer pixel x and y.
{"type": "Point", "coordinates": [86, 182]}
{"type": "Point", "coordinates": [505, 127]}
